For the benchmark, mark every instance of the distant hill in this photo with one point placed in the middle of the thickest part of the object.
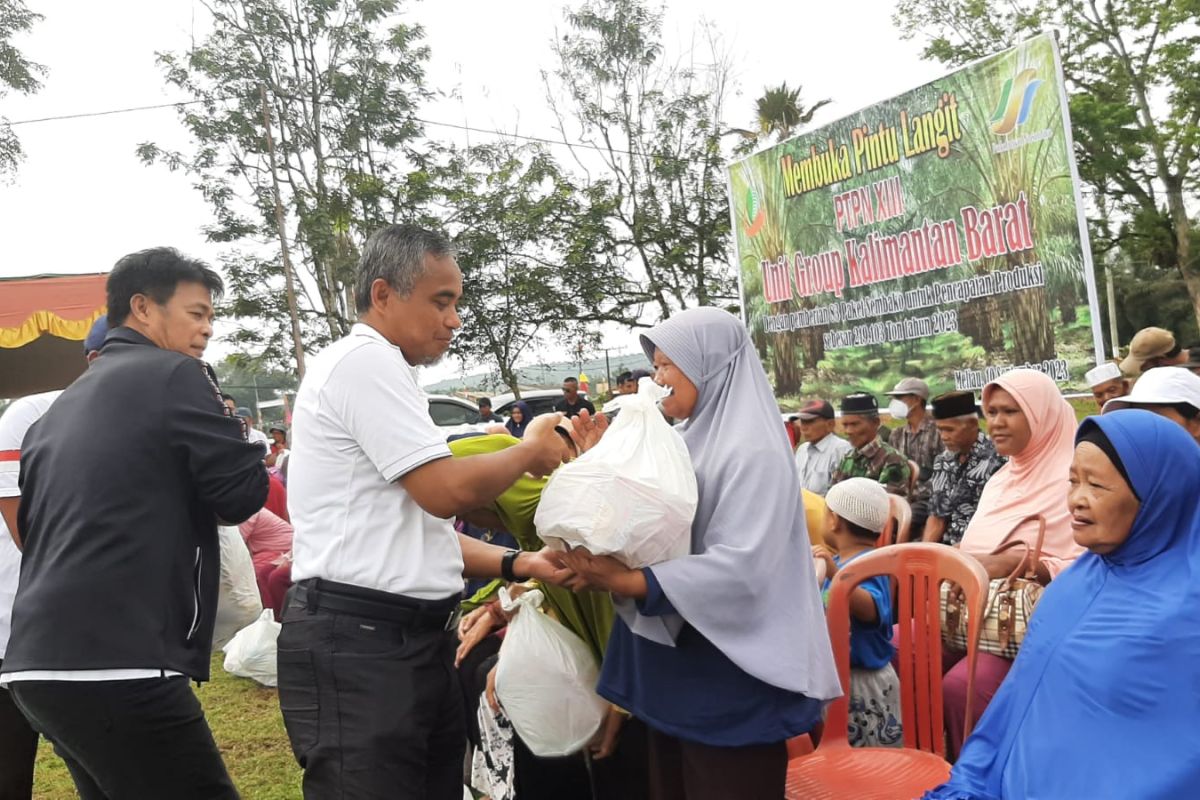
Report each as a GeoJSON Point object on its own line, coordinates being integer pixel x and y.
{"type": "Point", "coordinates": [542, 376]}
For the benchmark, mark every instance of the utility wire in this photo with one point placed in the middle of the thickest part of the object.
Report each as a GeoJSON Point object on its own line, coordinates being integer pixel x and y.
{"type": "Point", "coordinates": [435, 123]}
{"type": "Point", "coordinates": [107, 113]}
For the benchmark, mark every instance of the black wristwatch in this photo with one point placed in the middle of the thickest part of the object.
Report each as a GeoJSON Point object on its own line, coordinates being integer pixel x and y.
{"type": "Point", "coordinates": [507, 562]}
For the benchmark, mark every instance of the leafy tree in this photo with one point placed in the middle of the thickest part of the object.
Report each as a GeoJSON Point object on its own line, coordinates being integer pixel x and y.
{"type": "Point", "coordinates": [241, 377]}
{"type": "Point", "coordinates": [654, 127]}
{"type": "Point", "coordinates": [339, 82]}
{"type": "Point", "coordinates": [1131, 72]}
{"type": "Point", "coordinates": [528, 251]}
{"type": "Point", "coordinates": [17, 73]}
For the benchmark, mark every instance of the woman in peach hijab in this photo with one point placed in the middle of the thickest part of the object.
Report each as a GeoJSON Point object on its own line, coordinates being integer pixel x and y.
{"type": "Point", "coordinates": [1031, 424]}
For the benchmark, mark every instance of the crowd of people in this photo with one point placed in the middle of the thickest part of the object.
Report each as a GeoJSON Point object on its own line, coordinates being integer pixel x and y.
{"type": "Point", "coordinates": [365, 525]}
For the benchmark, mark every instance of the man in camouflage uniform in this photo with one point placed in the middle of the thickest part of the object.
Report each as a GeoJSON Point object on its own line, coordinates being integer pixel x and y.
{"type": "Point", "coordinates": [871, 457]}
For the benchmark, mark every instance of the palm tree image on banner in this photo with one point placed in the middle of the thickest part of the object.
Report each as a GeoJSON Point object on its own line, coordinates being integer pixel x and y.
{"type": "Point", "coordinates": [938, 234]}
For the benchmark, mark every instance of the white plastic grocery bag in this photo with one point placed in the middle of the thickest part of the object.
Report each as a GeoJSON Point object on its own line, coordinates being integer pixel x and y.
{"type": "Point", "coordinates": [546, 680]}
{"type": "Point", "coordinates": [632, 496]}
{"type": "Point", "coordinates": [251, 652]}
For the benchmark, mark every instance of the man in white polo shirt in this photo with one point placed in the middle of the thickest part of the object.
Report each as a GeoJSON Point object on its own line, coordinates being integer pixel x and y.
{"type": "Point", "coordinates": [18, 741]}
{"type": "Point", "coordinates": [366, 654]}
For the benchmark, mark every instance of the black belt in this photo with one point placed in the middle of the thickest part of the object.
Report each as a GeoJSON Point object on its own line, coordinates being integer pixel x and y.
{"type": "Point", "coordinates": [345, 598]}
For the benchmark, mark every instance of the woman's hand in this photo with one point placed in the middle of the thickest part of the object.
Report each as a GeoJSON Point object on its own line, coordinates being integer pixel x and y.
{"type": "Point", "coordinates": [479, 629]}
{"type": "Point", "coordinates": [490, 692]}
{"type": "Point", "coordinates": [603, 573]}
{"type": "Point", "coordinates": [471, 618]}
{"type": "Point", "coordinates": [587, 429]}
{"type": "Point", "coordinates": [604, 743]}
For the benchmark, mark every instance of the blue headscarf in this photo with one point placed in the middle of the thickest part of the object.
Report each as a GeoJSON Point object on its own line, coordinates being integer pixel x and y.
{"type": "Point", "coordinates": [1104, 698]}
{"type": "Point", "coordinates": [515, 428]}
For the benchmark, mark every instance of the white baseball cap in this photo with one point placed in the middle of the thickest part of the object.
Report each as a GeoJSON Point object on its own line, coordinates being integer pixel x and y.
{"type": "Point", "coordinates": [1104, 373]}
{"type": "Point", "coordinates": [1160, 387]}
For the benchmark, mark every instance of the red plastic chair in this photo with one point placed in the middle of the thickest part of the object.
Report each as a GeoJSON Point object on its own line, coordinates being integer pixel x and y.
{"type": "Point", "coordinates": [899, 525]}
{"type": "Point", "coordinates": [836, 770]}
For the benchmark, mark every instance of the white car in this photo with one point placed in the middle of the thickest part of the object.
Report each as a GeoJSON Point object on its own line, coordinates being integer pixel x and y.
{"type": "Point", "coordinates": [540, 401]}
{"type": "Point", "coordinates": [455, 415]}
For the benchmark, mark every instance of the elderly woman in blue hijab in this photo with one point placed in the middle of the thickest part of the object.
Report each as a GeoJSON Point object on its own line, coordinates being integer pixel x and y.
{"type": "Point", "coordinates": [1104, 698]}
{"type": "Point", "coordinates": [723, 653]}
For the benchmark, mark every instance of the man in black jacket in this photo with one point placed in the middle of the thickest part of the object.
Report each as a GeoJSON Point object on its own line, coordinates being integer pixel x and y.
{"type": "Point", "coordinates": [122, 483]}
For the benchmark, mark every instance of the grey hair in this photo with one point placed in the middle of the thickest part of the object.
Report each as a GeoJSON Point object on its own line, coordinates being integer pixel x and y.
{"type": "Point", "coordinates": [396, 254]}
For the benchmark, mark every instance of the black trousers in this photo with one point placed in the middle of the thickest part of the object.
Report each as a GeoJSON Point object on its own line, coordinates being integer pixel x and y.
{"type": "Point", "coordinates": [472, 677]}
{"type": "Point", "coordinates": [682, 770]}
{"type": "Point", "coordinates": [128, 740]}
{"type": "Point", "coordinates": [549, 778]}
{"type": "Point", "coordinates": [18, 750]}
{"type": "Point", "coordinates": [624, 775]}
{"type": "Point", "coordinates": [373, 708]}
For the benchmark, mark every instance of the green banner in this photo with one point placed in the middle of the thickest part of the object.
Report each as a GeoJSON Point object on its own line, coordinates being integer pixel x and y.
{"type": "Point", "coordinates": [938, 234]}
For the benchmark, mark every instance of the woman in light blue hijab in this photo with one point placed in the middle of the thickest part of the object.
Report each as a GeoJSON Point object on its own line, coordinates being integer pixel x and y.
{"type": "Point", "coordinates": [1104, 699]}
{"type": "Point", "coordinates": [723, 653]}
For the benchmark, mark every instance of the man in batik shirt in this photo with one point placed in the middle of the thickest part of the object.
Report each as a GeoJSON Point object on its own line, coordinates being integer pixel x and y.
{"type": "Point", "coordinates": [959, 473]}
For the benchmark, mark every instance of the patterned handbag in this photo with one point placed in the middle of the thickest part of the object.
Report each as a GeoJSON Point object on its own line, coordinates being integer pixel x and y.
{"type": "Point", "coordinates": [1010, 603]}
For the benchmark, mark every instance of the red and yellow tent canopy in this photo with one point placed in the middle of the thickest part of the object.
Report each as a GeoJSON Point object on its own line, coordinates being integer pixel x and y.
{"type": "Point", "coordinates": [43, 322]}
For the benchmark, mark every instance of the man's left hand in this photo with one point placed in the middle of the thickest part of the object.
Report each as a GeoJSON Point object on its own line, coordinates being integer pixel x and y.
{"type": "Point", "coordinates": [546, 565]}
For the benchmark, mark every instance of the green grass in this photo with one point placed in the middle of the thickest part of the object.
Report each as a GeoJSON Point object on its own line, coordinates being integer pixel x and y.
{"type": "Point", "coordinates": [248, 727]}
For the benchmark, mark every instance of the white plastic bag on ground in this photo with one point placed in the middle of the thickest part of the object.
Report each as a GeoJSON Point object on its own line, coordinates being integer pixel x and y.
{"type": "Point", "coordinates": [632, 496]}
{"type": "Point", "coordinates": [546, 681]}
{"type": "Point", "coordinates": [238, 603]}
{"type": "Point", "coordinates": [251, 652]}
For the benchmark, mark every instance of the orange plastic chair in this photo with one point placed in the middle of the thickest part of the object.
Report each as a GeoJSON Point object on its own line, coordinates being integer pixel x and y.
{"type": "Point", "coordinates": [899, 525]}
{"type": "Point", "coordinates": [836, 770]}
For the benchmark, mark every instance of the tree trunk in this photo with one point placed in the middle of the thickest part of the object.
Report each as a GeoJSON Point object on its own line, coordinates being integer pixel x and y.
{"type": "Point", "coordinates": [281, 230]}
{"type": "Point", "coordinates": [814, 347]}
{"type": "Point", "coordinates": [1183, 242]}
{"type": "Point", "coordinates": [787, 370]}
{"type": "Point", "coordinates": [979, 321]}
{"type": "Point", "coordinates": [1033, 336]}
{"type": "Point", "coordinates": [1067, 307]}
{"type": "Point", "coordinates": [509, 377]}
{"type": "Point", "coordinates": [760, 342]}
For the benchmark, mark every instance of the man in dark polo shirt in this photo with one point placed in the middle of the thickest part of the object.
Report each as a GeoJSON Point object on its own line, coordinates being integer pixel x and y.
{"type": "Point", "coordinates": [572, 403]}
{"type": "Point", "coordinates": [122, 483]}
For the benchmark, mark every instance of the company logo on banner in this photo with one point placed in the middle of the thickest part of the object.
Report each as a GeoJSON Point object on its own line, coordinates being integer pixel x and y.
{"type": "Point", "coordinates": [1016, 101]}
{"type": "Point", "coordinates": [756, 215]}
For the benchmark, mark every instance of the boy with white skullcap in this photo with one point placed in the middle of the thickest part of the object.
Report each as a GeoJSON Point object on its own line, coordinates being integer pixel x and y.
{"type": "Point", "coordinates": [857, 510]}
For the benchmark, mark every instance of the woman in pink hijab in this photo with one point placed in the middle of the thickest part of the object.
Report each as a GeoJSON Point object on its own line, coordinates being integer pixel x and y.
{"type": "Point", "coordinates": [1031, 424]}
